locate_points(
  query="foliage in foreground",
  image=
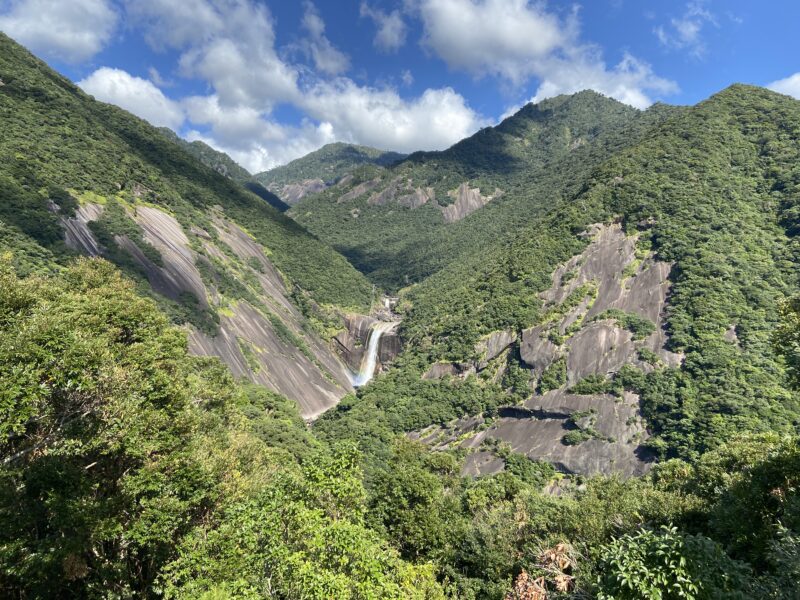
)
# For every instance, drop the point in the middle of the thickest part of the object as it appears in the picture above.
(130, 469)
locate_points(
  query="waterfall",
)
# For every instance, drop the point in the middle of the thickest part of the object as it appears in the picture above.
(370, 359)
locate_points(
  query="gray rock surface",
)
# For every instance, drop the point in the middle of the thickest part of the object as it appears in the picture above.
(359, 190)
(315, 377)
(466, 201)
(351, 344)
(283, 368)
(292, 193)
(492, 345)
(77, 234)
(608, 266)
(441, 369)
(537, 351)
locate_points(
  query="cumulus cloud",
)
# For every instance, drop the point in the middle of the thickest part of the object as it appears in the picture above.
(134, 94)
(630, 81)
(326, 58)
(392, 29)
(66, 30)
(380, 117)
(789, 86)
(250, 137)
(492, 37)
(685, 32)
(228, 43)
(516, 40)
(338, 111)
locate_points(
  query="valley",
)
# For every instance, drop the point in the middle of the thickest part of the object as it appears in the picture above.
(563, 346)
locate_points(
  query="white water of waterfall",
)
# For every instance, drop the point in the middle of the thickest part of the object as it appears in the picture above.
(370, 359)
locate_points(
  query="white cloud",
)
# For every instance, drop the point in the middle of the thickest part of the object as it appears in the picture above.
(406, 77)
(251, 138)
(66, 30)
(492, 37)
(236, 56)
(789, 86)
(517, 40)
(392, 30)
(228, 43)
(631, 81)
(157, 79)
(380, 117)
(134, 94)
(326, 58)
(685, 32)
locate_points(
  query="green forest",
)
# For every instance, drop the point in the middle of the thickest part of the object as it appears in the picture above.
(130, 468)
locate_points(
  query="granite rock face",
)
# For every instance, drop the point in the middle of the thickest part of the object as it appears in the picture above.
(584, 434)
(77, 234)
(351, 344)
(292, 193)
(466, 201)
(359, 190)
(266, 344)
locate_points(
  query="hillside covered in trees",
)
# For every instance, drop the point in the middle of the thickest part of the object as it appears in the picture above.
(631, 289)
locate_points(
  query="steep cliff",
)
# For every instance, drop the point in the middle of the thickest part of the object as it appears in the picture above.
(252, 286)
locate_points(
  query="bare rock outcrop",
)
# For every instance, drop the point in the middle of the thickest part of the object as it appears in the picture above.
(292, 193)
(594, 433)
(403, 193)
(359, 190)
(250, 341)
(537, 351)
(77, 234)
(466, 201)
(351, 343)
(492, 345)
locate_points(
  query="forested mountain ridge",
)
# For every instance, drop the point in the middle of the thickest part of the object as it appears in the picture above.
(226, 166)
(219, 161)
(403, 223)
(709, 195)
(130, 468)
(317, 170)
(118, 188)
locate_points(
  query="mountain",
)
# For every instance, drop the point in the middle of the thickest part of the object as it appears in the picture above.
(402, 223)
(226, 166)
(657, 284)
(214, 256)
(219, 161)
(319, 169)
(595, 395)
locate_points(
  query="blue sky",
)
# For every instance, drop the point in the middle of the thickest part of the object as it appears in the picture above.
(270, 80)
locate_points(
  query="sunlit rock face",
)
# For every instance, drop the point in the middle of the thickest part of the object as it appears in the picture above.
(585, 433)
(268, 344)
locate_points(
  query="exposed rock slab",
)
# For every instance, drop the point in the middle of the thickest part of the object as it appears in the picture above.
(618, 422)
(315, 381)
(402, 192)
(180, 273)
(466, 201)
(359, 190)
(351, 344)
(292, 193)
(77, 234)
(614, 277)
(598, 349)
(442, 369)
(537, 351)
(492, 345)
(284, 368)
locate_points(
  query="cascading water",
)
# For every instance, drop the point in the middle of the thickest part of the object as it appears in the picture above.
(370, 359)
